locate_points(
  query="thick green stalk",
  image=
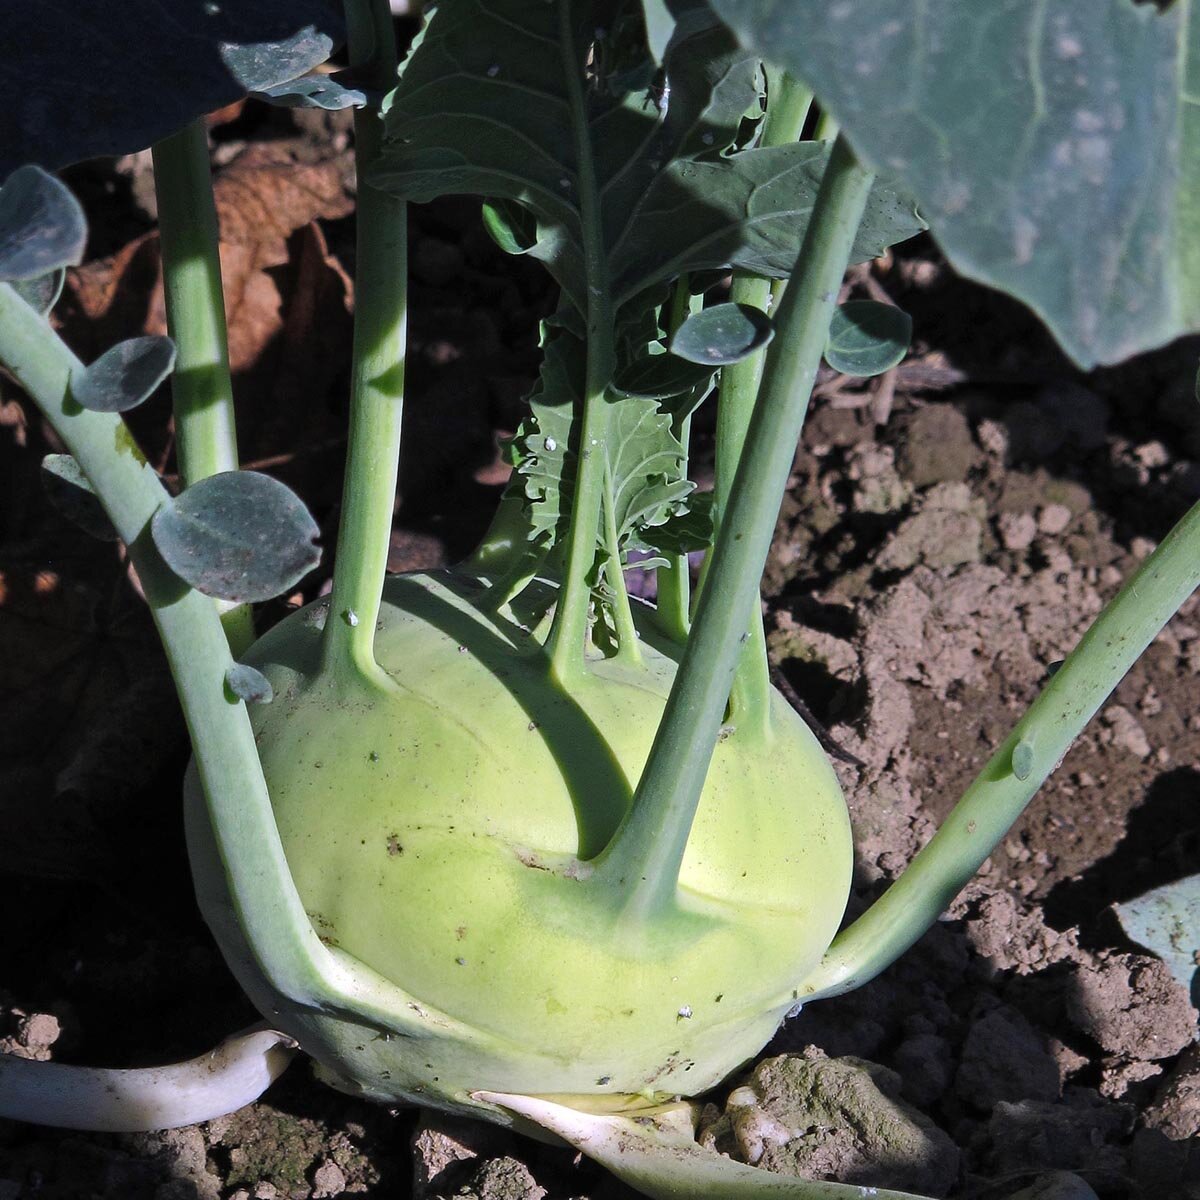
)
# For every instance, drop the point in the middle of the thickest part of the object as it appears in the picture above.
(201, 388)
(643, 858)
(568, 634)
(1036, 745)
(269, 910)
(377, 373)
(628, 648)
(788, 103)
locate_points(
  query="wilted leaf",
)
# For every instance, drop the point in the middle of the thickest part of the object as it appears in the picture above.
(41, 225)
(125, 376)
(238, 536)
(867, 337)
(1054, 148)
(722, 334)
(86, 78)
(68, 489)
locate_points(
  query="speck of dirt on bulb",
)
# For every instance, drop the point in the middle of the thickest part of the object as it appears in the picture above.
(374, 756)
(551, 444)
(685, 1013)
(351, 617)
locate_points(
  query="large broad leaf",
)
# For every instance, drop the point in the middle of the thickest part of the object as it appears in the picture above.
(1054, 147)
(83, 78)
(495, 101)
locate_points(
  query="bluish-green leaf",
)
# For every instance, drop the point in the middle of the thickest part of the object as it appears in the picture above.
(124, 376)
(42, 292)
(1167, 921)
(867, 337)
(722, 334)
(41, 225)
(248, 683)
(313, 90)
(83, 78)
(238, 536)
(69, 490)
(1054, 147)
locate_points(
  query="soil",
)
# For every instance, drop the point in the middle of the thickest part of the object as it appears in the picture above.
(949, 531)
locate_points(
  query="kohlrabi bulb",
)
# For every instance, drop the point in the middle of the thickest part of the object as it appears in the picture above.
(438, 826)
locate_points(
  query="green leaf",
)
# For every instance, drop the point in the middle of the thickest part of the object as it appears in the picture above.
(660, 24)
(722, 334)
(485, 106)
(867, 337)
(124, 376)
(70, 491)
(662, 376)
(1167, 921)
(248, 683)
(42, 292)
(512, 228)
(683, 532)
(41, 225)
(1053, 147)
(238, 536)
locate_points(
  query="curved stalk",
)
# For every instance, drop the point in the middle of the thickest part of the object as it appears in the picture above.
(627, 637)
(643, 859)
(377, 371)
(201, 388)
(998, 796)
(145, 1099)
(568, 634)
(269, 910)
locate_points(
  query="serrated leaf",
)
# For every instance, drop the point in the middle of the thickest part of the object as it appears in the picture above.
(1054, 148)
(248, 683)
(722, 334)
(95, 78)
(42, 292)
(41, 225)
(313, 90)
(125, 375)
(238, 536)
(69, 490)
(1167, 921)
(684, 532)
(867, 337)
(486, 106)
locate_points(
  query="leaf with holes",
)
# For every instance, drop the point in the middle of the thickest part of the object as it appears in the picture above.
(1054, 148)
(238, 536)
(722, 334)
(125, 375)
(867, 337)
(41, 226)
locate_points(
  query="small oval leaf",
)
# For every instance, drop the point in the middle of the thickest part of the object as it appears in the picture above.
(68, 489)
(722, 334)
(41, 225)
(1022, 759)
(867, 337)
(248, 683)
(122, 377)
(238, 536)
(657, 376)
(42, 292)
(313, 90)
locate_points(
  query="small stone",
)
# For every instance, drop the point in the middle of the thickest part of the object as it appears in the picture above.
(1152, 454)
(1122, 729)
(1142, 547)
(937, 447)
(1005, 1058)
(1054, 518)
(329, 1181)
(1017, 530)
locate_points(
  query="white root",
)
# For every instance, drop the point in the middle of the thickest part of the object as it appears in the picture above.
(238, 1071)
